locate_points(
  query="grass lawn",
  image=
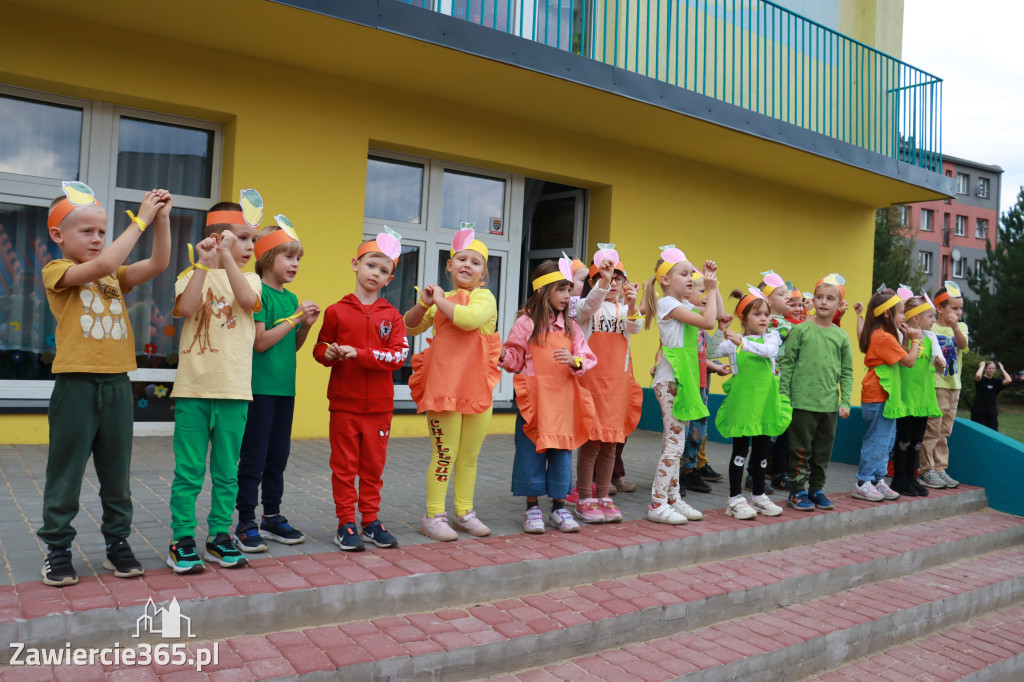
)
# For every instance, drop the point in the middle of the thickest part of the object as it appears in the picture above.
(1011, 419)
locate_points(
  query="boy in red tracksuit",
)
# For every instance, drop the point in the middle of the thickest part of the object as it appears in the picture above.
(363, 341)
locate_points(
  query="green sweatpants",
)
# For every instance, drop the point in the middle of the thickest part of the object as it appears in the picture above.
(811, 435)
(204, 425)
(88, 413)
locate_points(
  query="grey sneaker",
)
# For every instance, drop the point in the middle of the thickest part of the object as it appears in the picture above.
(948, 480)
(931, 479)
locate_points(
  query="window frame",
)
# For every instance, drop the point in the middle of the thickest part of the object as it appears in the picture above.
(927, 220)
(960, 226)
(959, 267)
(926, 261)
(963, 183)
(981, 232)
(984, 187)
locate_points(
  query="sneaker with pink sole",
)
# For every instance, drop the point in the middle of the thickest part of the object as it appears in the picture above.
(611, 512)
(589, 511)
(469, 523)
(436, 528)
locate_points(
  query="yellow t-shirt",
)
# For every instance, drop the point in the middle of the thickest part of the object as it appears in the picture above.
(481, 313)
(93, 331)
(215, 353)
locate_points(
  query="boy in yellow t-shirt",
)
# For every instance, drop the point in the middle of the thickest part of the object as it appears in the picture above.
(213, 386)
(90, 411)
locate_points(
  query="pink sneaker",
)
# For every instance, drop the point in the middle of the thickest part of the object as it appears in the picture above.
(436, 528)
(611, 512)
(573, 498)
(469, 523)
(589, 511)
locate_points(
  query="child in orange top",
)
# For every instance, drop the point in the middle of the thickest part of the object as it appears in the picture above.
(453, 382)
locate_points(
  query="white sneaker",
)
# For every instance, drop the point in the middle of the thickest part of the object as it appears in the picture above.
(740, 509)
(947, 479)
(931, 479)
(562, 520)
(533, 521)
(866, 491)
(887, 492)
(664, 513)
(764, 505)
(686, 510)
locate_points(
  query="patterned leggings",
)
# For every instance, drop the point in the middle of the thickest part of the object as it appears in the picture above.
(673, 443)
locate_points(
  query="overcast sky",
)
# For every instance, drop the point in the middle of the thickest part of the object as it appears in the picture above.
(975, 47)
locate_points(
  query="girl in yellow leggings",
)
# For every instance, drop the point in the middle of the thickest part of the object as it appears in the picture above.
(453, 381)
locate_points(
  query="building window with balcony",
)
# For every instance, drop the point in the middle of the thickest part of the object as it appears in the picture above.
(926, 262)
(983, 187)
(927, 220)
(959, 266)
(981, 228)
(963, 181)
(961, 225)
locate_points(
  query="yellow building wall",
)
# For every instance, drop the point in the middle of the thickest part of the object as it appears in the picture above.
(302, 138)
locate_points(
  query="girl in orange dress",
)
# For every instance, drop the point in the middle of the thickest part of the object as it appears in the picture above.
(453, 381)
(549, 353)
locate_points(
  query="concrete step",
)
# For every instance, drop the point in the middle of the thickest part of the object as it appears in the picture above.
(987, 648)
(305, 591)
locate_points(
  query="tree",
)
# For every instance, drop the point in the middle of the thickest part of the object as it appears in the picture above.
(895, 263)
(996, 319)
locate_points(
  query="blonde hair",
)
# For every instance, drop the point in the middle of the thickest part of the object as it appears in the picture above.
(265, 261)
(649, 304)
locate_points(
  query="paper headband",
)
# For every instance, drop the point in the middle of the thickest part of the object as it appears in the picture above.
(465, 239)
(577, 264)
(754, 294)
(618, 266)
(75, 194)
(771, 282)
(387, 242)
(697, 274)
(564, 272)
(277, 237)
(917, 310)
(902, 293)
(833, 279)
(951, 290)
(251, 214)
(671, 257)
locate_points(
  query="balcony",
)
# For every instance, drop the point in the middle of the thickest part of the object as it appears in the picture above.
(749, 53)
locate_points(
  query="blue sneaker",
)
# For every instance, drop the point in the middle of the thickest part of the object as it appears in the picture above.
(348, 539)
(376, 533)
(799, 501)
(247, 537)
(277, 528)
(820, 501)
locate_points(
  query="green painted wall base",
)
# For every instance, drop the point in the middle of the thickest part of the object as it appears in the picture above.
(980, 456)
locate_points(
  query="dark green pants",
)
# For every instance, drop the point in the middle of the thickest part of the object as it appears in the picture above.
(811, 435)
(89, 414)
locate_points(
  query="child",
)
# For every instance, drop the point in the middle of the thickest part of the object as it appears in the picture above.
(753, 408)
(281, 328)
(917, 384)
(796, 313)
(881, 396)
(618, 399)
(363, 341)
(91, 407)
(777, 292)
(817, 377)
(213, 387)
(952, 337)
(676, 376)
(453, 382)
(555, 416)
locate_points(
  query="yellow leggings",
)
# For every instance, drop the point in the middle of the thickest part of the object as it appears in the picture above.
(456, 440)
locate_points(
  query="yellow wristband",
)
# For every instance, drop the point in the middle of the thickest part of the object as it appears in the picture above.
(138, 221)
(420, 301)
(635, 317)
(579, 361)
(200, 266)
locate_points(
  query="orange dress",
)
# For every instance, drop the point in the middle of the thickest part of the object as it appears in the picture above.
(459, 368)
(618, 398)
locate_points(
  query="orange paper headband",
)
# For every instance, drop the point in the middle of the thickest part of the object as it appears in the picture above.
(271, 241)
(226, 218)
(618, 266)
(61, 211)
(372, 247)
(746, 301)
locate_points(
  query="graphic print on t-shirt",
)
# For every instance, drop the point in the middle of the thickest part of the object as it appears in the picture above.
(102, 310)
(215, 308)
(948, 346)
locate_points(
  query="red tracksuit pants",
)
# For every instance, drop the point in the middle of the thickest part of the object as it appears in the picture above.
(359, 444)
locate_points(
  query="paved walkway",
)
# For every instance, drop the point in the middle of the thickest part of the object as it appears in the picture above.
(308, 503)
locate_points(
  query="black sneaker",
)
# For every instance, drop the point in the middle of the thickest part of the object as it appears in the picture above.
(58, 569)
(182, 556)
(781, 482)
(220, 550)
(708, 474)
(692, 481)
(348, 539)
(278, 529)
(248, 537)
(376, 533)
(121, 560)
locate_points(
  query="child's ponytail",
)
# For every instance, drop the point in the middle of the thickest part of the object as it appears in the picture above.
(885, 321)
(650, 300)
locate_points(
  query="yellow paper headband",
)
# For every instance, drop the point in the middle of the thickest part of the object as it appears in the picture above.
(917, 310)
(671, 257)
(465, 239)
(902, 294)
(544, 280)
(771, 282)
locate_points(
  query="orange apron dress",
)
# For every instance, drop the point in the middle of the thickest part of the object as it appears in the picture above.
(559, 413)
(618, 398)
(458, 370)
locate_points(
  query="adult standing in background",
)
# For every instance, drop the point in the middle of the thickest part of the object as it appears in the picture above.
(985, 410)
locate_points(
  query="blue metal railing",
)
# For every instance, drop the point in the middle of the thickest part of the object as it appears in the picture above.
(751, 53)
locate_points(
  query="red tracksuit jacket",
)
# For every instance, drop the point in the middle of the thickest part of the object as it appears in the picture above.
(377, 332)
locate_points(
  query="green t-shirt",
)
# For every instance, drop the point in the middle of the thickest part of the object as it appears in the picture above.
(273, 370)
(817, 369)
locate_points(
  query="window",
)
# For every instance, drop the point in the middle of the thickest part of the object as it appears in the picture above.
(959, 265)
(961, 225)
(120, 153)
(983, 188)
(963, 182)
(927, 220)
(981, 228)
(926, 262)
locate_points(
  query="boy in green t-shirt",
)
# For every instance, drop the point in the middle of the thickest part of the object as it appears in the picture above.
(281, 328)
(817, 376)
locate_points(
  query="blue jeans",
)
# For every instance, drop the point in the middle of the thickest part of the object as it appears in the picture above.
(878, 442)
(696, 434)
(539, 473)
(264, 455)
